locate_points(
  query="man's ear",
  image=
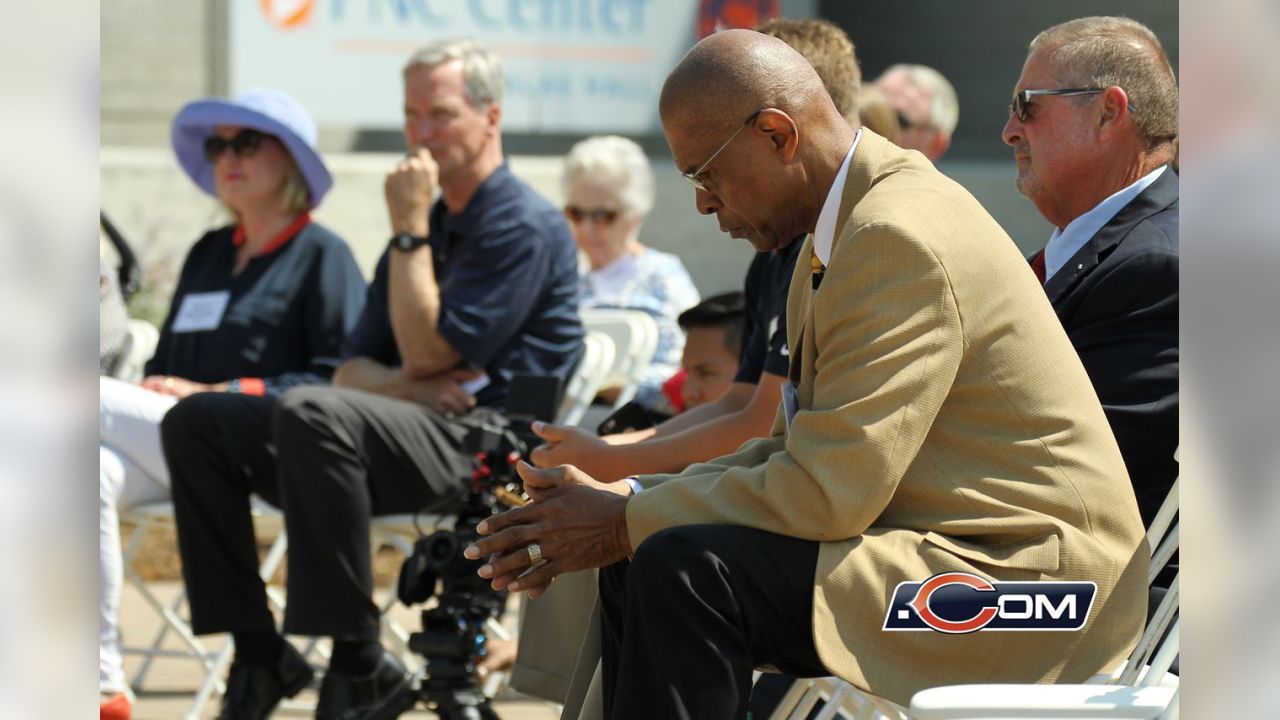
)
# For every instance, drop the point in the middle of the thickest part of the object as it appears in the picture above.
(781, 131)
(1113, 112)
(493, 115)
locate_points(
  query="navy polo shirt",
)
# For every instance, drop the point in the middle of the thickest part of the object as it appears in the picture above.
(285, 318)
(764, 345)
(507, 270)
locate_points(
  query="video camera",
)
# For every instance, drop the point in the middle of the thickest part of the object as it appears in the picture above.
(452, 638)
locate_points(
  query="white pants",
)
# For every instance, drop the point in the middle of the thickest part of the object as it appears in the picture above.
(131, 471)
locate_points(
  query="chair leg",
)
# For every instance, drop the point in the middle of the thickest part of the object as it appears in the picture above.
(130, 550)
(154, 648)
(833, 703)
(212, 684)
(171, 618)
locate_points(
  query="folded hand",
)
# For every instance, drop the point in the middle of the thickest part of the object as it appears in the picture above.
(576, 522)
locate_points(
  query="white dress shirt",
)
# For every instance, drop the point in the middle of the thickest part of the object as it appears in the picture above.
(824, 233)
(1066, 242)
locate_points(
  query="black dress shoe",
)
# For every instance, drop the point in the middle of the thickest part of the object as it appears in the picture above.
(351, 698)
(253, 691)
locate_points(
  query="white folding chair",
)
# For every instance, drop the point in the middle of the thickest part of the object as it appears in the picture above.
(1142, 688)
(597, 362)
(141, 345)
(214, 664)
(635, 339)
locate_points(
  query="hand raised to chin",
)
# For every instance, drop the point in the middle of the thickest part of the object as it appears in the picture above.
(409, 190)
(575, 522)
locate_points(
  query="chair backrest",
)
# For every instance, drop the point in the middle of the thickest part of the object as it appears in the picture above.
(1156, 651)
(143, 337)
(597, 362)
(1162, 536)
(635, 339)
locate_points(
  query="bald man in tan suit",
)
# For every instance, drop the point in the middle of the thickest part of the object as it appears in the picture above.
(941, 422)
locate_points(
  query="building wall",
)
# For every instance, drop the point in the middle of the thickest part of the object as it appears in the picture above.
(159, 54)
(156, 55)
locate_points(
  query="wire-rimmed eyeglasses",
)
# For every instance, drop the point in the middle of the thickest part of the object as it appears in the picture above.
(693, 177)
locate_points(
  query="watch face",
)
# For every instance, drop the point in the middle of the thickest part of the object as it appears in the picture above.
(405, 241)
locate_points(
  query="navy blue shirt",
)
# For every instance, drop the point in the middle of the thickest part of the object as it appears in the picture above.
(764, 344)
(507, 268)
(284, 322)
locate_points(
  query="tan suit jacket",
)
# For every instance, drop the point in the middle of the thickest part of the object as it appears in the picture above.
(945, 423)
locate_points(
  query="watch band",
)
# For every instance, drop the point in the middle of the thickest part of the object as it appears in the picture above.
(405, 241)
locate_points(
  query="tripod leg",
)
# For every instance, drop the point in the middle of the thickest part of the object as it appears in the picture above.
(396, 705)
(464, 705)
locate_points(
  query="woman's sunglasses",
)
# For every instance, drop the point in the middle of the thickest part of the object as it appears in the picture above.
(578, 215)
(244, 144)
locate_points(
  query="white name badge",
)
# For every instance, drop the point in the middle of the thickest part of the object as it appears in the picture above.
(790, 404)
(201, 311)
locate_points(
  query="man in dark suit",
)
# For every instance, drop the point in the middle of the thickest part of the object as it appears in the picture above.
(1093, 126)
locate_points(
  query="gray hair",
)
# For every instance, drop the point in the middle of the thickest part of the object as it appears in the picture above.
(617, 161)
(481, 69)
(1104, 51)
(944, 105)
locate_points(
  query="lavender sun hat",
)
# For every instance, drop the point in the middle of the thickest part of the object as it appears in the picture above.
(268, 111)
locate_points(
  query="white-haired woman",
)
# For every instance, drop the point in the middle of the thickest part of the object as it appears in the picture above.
(261, 305)
(608, 186)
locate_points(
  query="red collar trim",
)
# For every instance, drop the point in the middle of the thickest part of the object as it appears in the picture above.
(238, 238)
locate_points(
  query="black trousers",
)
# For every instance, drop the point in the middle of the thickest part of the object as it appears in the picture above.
(331, 459)
(695, 611)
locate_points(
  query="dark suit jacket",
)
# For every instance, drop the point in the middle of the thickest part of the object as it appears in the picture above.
(1118, 300)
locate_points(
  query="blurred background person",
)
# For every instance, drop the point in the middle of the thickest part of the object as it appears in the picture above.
(261, 305)
(1092, 127)
(608, 187)
(877, 115)
(713, 337)
(830, 51)
(927, 106)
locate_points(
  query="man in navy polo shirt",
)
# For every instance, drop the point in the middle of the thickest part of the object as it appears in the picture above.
(475, 288)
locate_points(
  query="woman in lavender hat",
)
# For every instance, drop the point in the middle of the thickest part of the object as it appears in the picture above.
(261, 305)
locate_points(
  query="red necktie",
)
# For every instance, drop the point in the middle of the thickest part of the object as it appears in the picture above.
(1037, 265)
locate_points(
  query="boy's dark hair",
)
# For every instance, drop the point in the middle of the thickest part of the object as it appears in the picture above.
(726, 311)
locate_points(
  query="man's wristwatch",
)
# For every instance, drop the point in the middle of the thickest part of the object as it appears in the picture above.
(405, 241)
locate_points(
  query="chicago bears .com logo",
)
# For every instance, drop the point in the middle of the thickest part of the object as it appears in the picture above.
(958, 602)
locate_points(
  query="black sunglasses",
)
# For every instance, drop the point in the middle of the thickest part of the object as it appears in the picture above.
(244, 144)
(1022, 100)
(578, 215)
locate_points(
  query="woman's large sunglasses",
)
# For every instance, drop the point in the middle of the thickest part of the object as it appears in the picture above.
(244, 144)
(578, 215)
